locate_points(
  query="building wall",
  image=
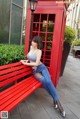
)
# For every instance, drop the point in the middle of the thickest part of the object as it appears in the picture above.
(73, 15)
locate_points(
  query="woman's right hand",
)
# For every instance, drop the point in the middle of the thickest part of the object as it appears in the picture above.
(24, 61)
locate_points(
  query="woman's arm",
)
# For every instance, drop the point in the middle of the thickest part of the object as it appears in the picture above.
(26, 61)
(39, 53)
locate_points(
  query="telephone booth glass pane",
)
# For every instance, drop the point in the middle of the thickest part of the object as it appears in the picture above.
(36, 18)
(43, 25)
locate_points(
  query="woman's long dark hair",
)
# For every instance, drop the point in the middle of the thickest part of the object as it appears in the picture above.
(38, 40)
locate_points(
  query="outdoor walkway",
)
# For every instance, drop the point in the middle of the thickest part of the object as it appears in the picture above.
(39, 105)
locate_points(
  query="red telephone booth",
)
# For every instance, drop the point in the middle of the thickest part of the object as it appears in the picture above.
(49, 23)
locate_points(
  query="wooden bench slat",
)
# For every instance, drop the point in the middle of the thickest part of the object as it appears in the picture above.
(12, 69)
(15, 73)
(17, 89)
(10, 65)
(18, 96)
(14, 88)
(14, 94)
(17, 101)
(9, 90)
(14, 78)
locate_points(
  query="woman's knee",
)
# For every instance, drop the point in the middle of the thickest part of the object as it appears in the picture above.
(39, 77)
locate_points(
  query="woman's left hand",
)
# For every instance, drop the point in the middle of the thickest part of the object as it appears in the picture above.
(24, 61)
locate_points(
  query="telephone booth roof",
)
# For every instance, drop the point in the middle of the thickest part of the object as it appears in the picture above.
(64, 1)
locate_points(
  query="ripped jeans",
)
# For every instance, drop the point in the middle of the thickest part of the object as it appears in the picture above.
(46, 80)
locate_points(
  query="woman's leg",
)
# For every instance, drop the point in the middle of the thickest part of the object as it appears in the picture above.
(44, 76)
(42, 79)
(53, 91)
(49, 84)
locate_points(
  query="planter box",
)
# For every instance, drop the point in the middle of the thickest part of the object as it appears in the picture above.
(66, 50)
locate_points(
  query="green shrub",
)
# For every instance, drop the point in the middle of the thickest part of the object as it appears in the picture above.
(11, 53)
(69, 34)
(76, 43)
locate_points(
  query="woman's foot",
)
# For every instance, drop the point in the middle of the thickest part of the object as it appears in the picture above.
(57, 105)
(63, 114)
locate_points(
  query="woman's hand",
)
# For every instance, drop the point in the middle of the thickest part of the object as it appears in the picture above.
(24, 61)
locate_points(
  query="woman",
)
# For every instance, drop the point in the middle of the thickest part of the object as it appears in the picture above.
(41, 72)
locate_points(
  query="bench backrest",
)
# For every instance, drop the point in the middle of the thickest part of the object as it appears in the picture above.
(13, 73)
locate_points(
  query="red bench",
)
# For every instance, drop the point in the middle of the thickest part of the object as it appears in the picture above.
(16, 83)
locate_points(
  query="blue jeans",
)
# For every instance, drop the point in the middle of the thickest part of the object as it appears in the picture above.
(46, 80)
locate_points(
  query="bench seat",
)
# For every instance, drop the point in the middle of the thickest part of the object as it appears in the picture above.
(13, 95)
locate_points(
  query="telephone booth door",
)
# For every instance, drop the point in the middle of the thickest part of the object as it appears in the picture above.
(48, 23)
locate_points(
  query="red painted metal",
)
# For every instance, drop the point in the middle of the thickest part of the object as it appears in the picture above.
(13, 72)
(66, 3)
(13, 95)
(17, 96)
(48, 15)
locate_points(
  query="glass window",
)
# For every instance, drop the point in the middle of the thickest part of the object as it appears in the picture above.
(36, 18)
(19, 2)
(4, 20)
(16, 24)
(44, 17)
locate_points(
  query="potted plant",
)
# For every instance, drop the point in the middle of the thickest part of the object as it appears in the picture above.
(69, 36)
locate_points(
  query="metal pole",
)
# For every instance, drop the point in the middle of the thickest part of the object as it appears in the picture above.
(31, 27)
(22, 23)
(10, 22)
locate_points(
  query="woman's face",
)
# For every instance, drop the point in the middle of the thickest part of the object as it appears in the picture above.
(34, 44)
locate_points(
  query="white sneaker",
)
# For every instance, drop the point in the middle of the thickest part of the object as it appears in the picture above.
(55, 105)
(63, 114)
